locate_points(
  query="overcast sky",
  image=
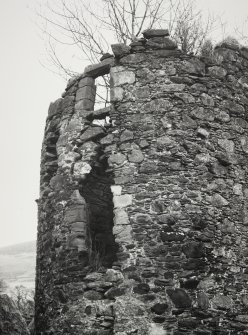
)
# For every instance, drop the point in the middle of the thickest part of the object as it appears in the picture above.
(26, 91)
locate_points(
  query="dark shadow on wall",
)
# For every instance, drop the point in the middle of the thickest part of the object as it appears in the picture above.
(97, 193)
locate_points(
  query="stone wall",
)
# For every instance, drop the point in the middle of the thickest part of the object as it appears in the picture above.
(143, 220)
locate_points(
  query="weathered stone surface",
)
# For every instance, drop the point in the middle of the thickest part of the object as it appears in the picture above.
(173, 87)
(116, 94)
(81, 169)
(123, 234)
(117, 159)
(126, 135)
(179, 298)
(185, 97)
(159, 308)
(105, 56)
(222, 302)
(93, 295)
(84, 105)
(121, 217)
(86, 92)
(99, 69)
(194, 249)
(244, 52)
(217, 71)
(193, 66)
(141, 288)
(244, 143)
(122, 200)
(122, 77)
(202, 132)
(120, 49)
(202, 300)
(161, 43)
(202, 114)
(218, 201)
(227, 145)
(92, 133)
(136, 156)
(149, 33)
(207, 100)
(55, 107)
(76, 214)
(86, 81)
(168, 53)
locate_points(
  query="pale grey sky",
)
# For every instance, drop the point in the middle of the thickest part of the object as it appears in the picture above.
(26, 91)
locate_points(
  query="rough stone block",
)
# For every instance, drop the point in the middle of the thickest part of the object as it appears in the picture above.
(113, 276)
(217, 72)
(93, 295)
(244, 52)
(86, 92)
(79, 227)
(58, 182)
(185, 97)
(76, 214)
(156, 329)
(244, 143)
(116, 189)
(66, 159)
(92, 133)
(117, 159)
(179, 298)
(173, 87)
(203, 132)
(227, 145)
(193, 66)
(121, 78)
(55, 108)
(84, 105)
(159, 308)
(161, 43)
(149, 33)
(222, 301)
(163, 53)
(133, 59)
(107, 139)
(120, 49)
(136, 156)
(77, 199)
(86, 81)
(100, 69)
(218, 201)
(116, 94)
(81, 169)
(101, 113)
(121, 217)
(122, 233)
(121, 201)
(194, 249)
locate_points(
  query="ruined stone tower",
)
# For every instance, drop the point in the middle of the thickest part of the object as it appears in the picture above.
(143, 222)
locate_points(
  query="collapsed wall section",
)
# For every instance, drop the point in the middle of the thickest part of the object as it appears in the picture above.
(143, 219)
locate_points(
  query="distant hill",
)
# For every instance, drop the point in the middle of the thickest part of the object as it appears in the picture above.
(17, 264)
